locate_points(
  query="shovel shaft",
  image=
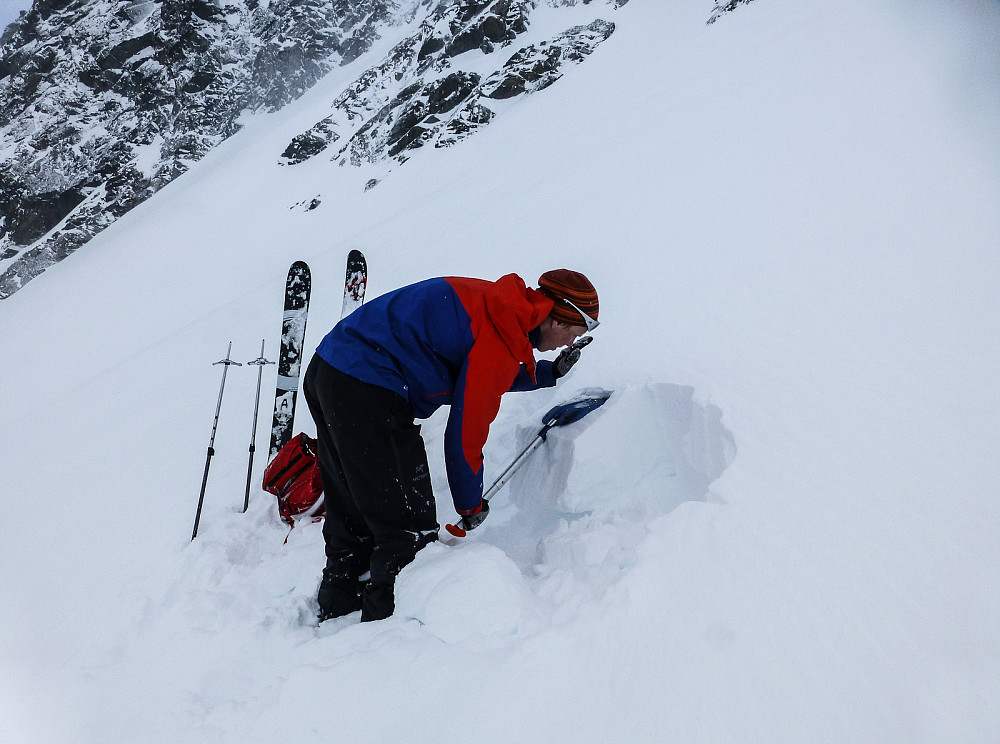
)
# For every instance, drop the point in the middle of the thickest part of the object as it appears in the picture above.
(507, 474)
(561, 415)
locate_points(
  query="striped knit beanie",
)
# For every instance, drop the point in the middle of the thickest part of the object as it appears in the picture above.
(563, 284)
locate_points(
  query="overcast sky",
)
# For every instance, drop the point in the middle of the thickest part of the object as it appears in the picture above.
(9, 10)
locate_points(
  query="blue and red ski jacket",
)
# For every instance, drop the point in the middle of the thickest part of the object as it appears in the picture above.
(448, 341)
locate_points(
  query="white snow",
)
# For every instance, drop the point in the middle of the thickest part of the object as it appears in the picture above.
(793, 220)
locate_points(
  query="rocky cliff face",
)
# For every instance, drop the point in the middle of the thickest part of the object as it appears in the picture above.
(431, 89)
(103, 102)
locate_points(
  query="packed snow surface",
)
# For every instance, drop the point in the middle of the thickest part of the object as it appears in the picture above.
(783, 525)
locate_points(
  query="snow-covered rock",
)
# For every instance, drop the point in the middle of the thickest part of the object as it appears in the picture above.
(104, 102)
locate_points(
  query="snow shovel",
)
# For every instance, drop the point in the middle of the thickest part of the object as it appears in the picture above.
(564, 413)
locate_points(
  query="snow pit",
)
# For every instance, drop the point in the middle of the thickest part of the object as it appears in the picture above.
(650, 448)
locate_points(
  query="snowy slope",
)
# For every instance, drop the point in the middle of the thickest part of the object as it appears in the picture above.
(783, 526)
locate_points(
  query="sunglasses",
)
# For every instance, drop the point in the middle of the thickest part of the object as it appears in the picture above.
(591, 323)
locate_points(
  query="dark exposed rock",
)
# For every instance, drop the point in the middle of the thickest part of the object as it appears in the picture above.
(309, 143)
(308, 205)
(429, 47)
(538, 66)
(468, 120)
(467, 41)
(420, 106)
(117, 56)
(446, 94)
(724, 6)
(36, 215)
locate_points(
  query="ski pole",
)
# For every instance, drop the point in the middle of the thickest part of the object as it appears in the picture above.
(259, 362)
(564, 413)
(211, 442)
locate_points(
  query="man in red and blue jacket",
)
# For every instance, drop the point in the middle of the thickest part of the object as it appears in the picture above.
(446, 341)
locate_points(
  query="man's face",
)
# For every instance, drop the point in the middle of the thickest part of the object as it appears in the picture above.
(555, 334)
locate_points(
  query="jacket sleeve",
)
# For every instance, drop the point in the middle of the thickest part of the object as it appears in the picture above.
(487, 374)
(544, 377)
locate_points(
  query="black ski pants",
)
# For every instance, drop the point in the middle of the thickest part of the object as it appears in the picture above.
(379, 502)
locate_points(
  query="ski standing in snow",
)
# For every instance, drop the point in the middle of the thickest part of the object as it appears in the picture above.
(293, 333)
(446, 341)
(354, 283)
(292, 474)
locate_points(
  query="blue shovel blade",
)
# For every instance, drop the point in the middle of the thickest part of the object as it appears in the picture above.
(576, 409)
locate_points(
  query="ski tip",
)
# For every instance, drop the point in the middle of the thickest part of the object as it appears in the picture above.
(356, 261)
(455, 530)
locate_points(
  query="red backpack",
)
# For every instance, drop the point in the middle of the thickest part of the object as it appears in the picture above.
(293, 477)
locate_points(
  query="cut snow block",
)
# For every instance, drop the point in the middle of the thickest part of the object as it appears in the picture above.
(651, 447)
(466, 593)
